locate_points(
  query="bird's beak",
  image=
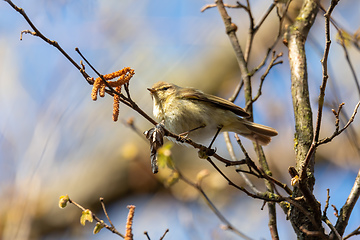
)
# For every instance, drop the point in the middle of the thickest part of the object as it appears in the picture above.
(152, 90)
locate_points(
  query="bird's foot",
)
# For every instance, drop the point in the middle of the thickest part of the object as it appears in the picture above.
(205, 152)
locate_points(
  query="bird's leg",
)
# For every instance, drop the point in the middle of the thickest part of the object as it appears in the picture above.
(216, 134)
(207, 151)
(185, 134)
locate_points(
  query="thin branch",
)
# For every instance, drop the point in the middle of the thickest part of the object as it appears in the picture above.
(269, 188)
(324, 62)
(254, 28)
(342, 43)
(281, 20)
(346, 210)
(336, 211)
(319, 234)
(230, 29)
(123, 99)
(261, 173)
(130, 123)
(106, 214)
(337, 131)
(326, 202)
(163, 236)
(352, 69)
(112, 229)
(331, 226)
(37, 33)
(147, 235)
(325, 218)
(263, 196)
(212, 206)
(251, 35)
(236, 91)
(238, 5)
(353, 233)
(242, 61)
(262, 20)
(262, 79)
(233, 158)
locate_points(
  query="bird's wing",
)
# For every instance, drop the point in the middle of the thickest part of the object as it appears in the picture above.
(220, 102)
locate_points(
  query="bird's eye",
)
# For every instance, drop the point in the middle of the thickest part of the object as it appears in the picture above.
(164, 88)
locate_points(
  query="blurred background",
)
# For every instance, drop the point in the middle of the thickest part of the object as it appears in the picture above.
(54, 140)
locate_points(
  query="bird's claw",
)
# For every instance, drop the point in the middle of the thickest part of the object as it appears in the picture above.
(182, 138)
(205, 152)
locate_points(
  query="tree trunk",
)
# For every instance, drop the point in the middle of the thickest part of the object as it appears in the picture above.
(303, 120)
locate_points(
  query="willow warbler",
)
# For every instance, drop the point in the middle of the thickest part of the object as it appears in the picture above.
(200, 116)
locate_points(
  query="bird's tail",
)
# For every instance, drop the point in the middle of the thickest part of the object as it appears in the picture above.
(257, 132)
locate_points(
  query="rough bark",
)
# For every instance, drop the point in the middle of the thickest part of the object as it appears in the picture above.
(297, 34)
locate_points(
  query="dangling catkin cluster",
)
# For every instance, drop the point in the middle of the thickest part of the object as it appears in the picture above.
(116, 104)
(124, 75)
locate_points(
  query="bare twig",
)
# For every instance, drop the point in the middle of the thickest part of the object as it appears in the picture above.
(112, 229)
(270, 189)
(242, 61)
(212, 206)
(346, 210)
(106, 214)
(238, 5)
(237, 91)
(281, 20)
(327, 202)
(352, 69)
(337, 131)
(264, 196)
(261, 173)
(324, 61)
(343, 45)
(336, 212)
(130, 123)
(353, 233)
(331, 226)
(326, 219)
(254, 28)
(251, 34)
(147, 235)
(319, 234)
(233, 157)
(37, 33)
(230, 29)
(271, 64)
(163, 236)
(263, 18)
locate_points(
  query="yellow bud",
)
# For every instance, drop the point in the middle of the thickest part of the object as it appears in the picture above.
(63, 201)
(86, 216)
(98, 227)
